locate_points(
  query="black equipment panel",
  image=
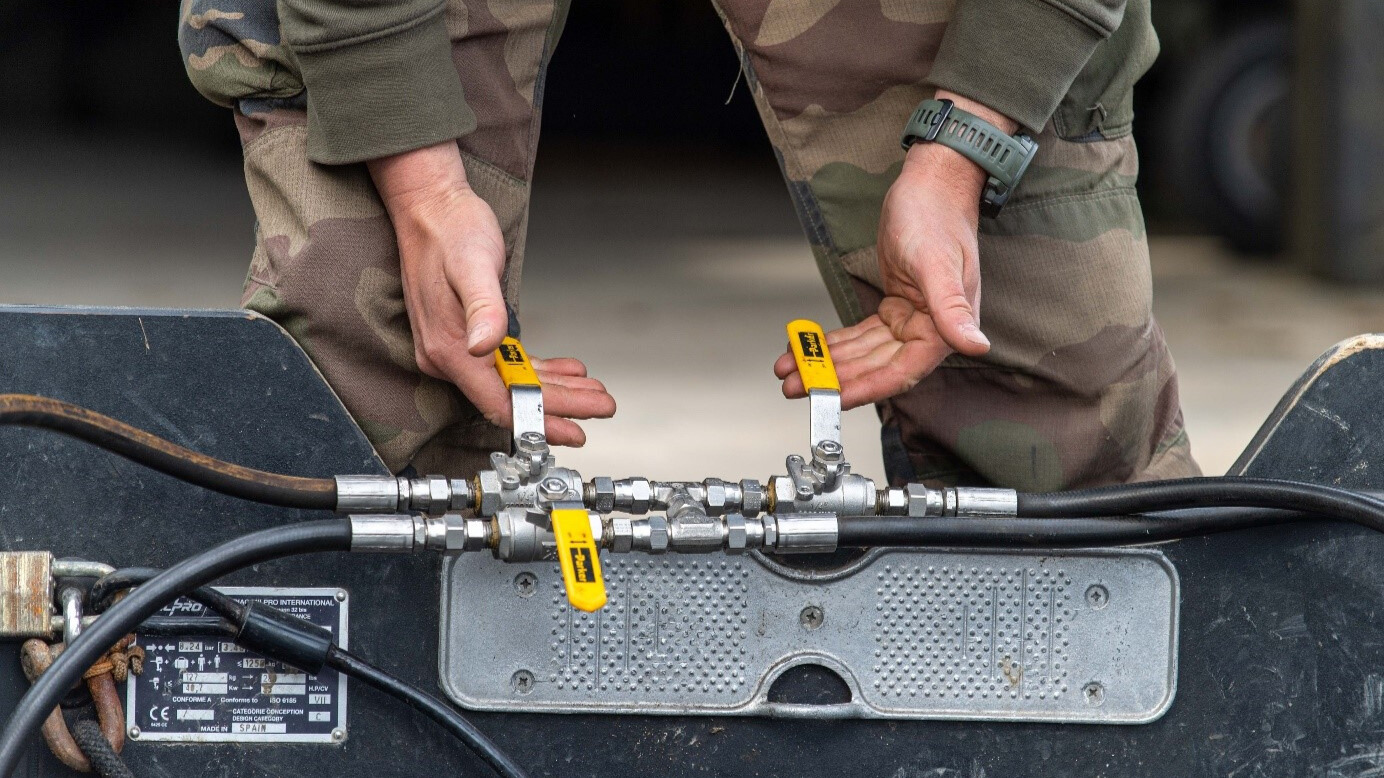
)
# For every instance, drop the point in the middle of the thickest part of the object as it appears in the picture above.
(1281, 668)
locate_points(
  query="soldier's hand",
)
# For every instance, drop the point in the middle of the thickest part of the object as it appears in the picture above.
(451, 257)
(884, 355)
(928, 251)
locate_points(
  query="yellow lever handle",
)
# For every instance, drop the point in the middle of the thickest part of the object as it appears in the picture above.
(513, 364)
(577, 556)
(809, 345)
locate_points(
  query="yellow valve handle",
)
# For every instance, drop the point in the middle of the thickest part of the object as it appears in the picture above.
(809, 345)
(576, 554)
(513, 365)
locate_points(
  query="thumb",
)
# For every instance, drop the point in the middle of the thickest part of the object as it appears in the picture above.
(951, 308)
(477, 286)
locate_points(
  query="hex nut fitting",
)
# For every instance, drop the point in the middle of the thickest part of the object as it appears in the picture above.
(491, 499)
(923, 501)
(432, 495)
(604, 494)
(531, 443)
(752, 500)
(460, 534)
(893, 502)
(636, 495)
(621, 534)
(785, 493)
(736, 537)
(463, 496)
(716, 496)
(658, 535)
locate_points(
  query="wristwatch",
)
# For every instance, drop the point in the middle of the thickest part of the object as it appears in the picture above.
(1004, 157)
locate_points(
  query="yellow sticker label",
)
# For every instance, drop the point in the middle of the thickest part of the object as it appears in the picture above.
(513, 364)
(809, 345)
(578, 558)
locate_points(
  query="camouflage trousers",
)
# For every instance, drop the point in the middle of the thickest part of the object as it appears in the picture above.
(1079, 388)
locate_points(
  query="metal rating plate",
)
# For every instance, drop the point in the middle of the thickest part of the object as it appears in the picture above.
(1075, 636)
(205, 690)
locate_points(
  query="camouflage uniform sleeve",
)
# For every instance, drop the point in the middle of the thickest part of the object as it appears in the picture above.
(1020, 57)
(379, 76)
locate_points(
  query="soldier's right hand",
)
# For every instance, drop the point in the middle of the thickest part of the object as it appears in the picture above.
(886, 354)
(451, 257)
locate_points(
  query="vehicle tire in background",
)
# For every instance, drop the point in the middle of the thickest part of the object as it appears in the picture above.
(1228, 145)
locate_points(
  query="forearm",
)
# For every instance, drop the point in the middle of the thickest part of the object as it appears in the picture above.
(414, 183)
(379, 76)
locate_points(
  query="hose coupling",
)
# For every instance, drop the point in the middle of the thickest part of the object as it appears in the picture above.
(966, 502)
(394, 533)
(433, 495)
(806, 533)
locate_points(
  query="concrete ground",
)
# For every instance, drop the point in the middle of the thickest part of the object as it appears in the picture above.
(672, 279)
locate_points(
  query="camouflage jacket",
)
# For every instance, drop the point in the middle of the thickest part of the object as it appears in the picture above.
(380, 80)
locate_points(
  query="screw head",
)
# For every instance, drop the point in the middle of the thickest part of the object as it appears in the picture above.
(530, 441)
(526, 584)
(812, 617)
(341, 595)
(134, 733)
(522, 682)
(1097, 596)
(338, 735)
(1093, 693)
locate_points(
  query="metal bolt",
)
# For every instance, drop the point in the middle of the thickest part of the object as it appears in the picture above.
(553, 488)
(338, 735)
(812, 617)
(134, 733)
(341, 595)
(1094, 694)
(1097, 596)
(526, 584)
(530, 442)
(522, 682)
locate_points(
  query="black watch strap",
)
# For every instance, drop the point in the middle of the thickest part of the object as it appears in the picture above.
(1003, 157)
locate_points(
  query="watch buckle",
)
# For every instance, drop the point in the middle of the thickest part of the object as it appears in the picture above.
(939, 120)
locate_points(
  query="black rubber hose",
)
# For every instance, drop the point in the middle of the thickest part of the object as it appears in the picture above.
(103, 592)
(104, 761)
(348, 664)
(126, 615)
(1227, 491)
(189, 626)
(907, 531)
(166, 457)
